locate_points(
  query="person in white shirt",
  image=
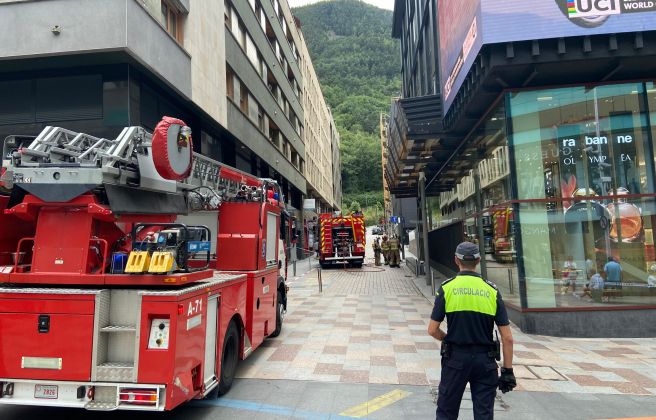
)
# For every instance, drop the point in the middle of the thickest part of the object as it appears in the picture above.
(651, 279)
(569, 274)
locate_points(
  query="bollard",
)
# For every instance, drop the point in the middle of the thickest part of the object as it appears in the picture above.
(320, 280)
(309, 261)
(294, 264)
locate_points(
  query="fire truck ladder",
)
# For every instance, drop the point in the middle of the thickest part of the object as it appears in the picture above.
(60, 156)
(326, 236)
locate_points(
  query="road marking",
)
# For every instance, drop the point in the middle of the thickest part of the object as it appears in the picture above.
(290, 412)
(636, 418)
(376, 404)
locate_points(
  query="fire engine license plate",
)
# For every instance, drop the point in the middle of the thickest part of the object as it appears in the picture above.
(48, 392)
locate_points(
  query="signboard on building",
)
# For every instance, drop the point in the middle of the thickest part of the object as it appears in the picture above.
(466, 25)
(460, 42)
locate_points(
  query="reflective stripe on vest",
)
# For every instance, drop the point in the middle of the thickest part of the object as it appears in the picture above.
(470, 293)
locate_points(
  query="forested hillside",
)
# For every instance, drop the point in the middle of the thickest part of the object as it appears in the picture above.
(358, 65)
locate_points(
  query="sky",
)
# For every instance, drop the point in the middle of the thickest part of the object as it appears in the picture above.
(383, 4)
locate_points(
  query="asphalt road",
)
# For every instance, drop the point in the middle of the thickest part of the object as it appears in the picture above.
(252, 399)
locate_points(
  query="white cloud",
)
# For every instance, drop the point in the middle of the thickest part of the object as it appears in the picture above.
(383, 4)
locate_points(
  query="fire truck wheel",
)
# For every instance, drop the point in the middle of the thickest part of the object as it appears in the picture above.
(280, 315)
(229, 358)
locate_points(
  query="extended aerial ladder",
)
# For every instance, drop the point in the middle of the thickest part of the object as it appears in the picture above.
(136, 178)
(160, 264)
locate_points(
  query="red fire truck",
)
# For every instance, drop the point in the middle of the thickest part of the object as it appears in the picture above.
(134, 273)
(503, 242)
(342, 240)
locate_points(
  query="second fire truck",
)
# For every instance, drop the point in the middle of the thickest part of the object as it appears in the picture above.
(342, 240)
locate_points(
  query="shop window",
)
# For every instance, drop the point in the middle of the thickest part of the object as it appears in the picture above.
(584, 152)
(172, 20)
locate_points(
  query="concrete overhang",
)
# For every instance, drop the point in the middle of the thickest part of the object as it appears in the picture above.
(39, 29)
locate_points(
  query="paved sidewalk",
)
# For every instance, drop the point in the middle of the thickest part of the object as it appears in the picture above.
(586, 365)
(369, 326)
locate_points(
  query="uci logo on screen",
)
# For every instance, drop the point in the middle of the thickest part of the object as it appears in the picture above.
(587, 8)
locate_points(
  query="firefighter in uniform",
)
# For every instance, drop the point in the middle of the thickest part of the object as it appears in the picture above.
(385, 248)
(394, 252)
(377, 251)
(472, 305)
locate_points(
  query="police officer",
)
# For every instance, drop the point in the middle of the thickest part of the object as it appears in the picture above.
(472, 305)
(384, 246)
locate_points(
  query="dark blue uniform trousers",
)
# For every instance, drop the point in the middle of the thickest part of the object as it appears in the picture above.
(477, 368)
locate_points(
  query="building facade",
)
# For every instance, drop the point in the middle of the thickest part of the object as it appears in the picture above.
(548, 163)
(324, 164)
(115, 63)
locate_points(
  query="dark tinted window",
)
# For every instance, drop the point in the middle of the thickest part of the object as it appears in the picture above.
(16, 102)
(69, 98)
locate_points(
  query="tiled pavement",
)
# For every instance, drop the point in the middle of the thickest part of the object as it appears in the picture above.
(369, 326)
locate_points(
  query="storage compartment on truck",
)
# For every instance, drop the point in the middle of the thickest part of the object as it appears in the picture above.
(51, 336)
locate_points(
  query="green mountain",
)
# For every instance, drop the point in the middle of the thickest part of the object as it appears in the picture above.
(359, 67)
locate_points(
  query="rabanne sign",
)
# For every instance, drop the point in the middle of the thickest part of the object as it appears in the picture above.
(465, 26)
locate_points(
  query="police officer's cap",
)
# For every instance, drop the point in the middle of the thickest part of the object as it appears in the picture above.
(468, 251)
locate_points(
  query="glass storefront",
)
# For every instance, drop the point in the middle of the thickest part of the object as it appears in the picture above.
(583, 202)
(483, 202)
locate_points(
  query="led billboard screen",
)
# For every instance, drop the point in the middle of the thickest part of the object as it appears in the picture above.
(466, 25)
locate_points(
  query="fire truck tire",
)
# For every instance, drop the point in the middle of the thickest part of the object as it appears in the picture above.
(280, 315)
(229, 358)
(357, 264)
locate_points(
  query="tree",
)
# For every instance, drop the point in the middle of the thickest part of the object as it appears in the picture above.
(361, 167)
(359, 66)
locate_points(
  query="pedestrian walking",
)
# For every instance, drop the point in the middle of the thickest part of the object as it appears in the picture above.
(384, 246)
(394, 252)
(471, 305)
(377, 252)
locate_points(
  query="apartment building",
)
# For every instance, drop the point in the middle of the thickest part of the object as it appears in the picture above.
(99, 65)
(321, 139)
